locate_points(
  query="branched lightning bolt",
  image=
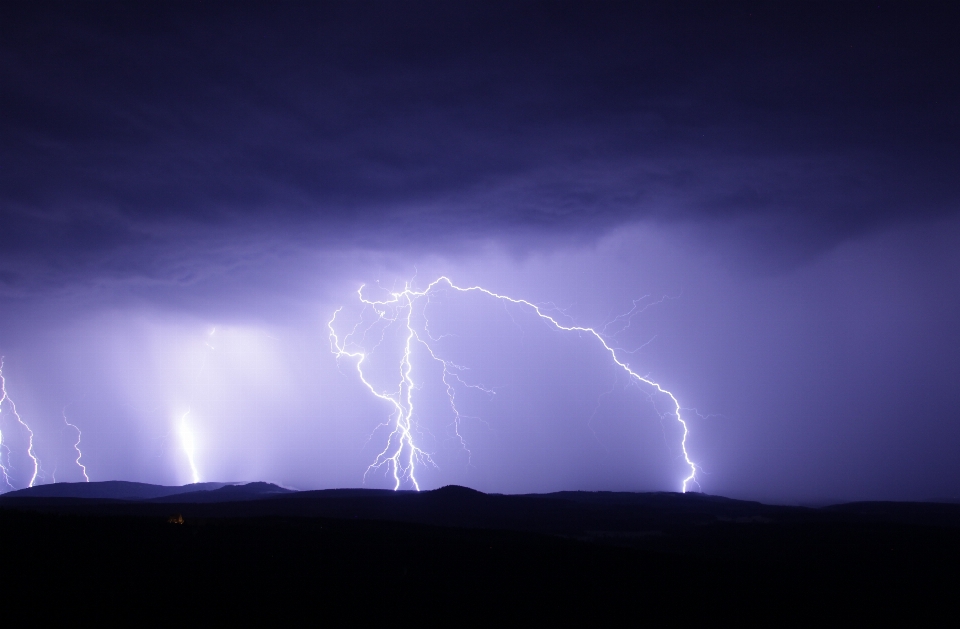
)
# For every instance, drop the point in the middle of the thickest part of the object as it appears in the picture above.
(13, 407)
(76, 446)
(401, 453)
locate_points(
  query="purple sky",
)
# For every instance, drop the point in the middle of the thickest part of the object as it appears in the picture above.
(188, 192)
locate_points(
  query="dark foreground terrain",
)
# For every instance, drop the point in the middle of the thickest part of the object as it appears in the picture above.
(257, 554)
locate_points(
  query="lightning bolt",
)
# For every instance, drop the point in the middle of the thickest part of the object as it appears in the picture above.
(184, 431)
(76, 446)
(189, 446)
(13, 408)
(401, 454)
(400, 440)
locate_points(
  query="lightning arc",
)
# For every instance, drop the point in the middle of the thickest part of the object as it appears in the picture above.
(76, 446)
(401, 454)
(13, 408)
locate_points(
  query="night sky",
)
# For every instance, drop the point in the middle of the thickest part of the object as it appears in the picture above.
(189, 191)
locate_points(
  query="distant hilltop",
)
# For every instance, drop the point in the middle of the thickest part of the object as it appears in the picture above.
(139, 492)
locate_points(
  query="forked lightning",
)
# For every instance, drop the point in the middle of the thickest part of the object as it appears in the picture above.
(4, 468)
(401, 454)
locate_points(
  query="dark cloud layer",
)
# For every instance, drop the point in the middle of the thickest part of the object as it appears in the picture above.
(131, 128)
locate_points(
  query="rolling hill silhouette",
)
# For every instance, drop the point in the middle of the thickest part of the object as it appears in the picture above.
(572, 556)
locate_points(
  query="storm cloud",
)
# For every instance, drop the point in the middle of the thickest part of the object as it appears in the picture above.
(417, 125)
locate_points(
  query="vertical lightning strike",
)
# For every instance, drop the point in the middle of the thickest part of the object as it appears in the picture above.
(184, 431)
(189, 446)
(399, 307)
(401, 454)
(76, 446)
(3, 468)
(13, 407)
